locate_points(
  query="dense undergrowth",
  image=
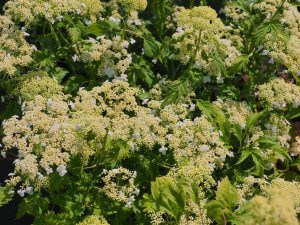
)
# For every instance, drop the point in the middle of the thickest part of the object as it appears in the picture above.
(151, 112)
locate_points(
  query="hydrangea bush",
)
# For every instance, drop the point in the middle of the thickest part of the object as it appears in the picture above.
(151, 112)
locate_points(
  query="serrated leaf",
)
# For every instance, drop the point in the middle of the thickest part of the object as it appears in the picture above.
(227, 194)
(215, 210)
(5, 196)
(74, 34)
(245, 154)
(59, 73)
(151, 47)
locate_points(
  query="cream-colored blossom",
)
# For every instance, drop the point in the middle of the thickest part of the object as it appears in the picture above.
(200, 32)
(278, 94)
(110, 55)
(119, 185)
(93, 220)
(29, 85)
(15, 52)
(28, 11)
(138, 5)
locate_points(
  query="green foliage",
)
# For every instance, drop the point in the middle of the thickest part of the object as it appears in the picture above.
(223, 207)
(170, 64)
(170, 196)
(5, 196)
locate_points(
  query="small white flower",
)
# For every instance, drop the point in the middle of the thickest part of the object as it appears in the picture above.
(171, 56)
(109, 71)
(131, 198)
(49, 170)
(212, 166)
(29, 190)
(265, 52)
(132, 41)
(274, 129)
(220, 133)
(104, 171)
(206, 79)
(49, 103)
(220, 80)
(59, 18)
(230, 154)
(137, 22)
(145, 101)
(3, 154)
(61, 169)
(34, 48)
(54, 128)
(134, 174)
(136, 191)
(78, 11)
(75, 58)
(192, 107)
(128, 204)
(271, 165)
(114, 20)
(125, 44)
(2, 99)
(163, 150)
(115, 171)
(129, 58)
(19, 100)
(271, 61)
(20, 154)
(153, 136)
(136, 135)
(204, 148)
(268, 126)
(72, 105)
(123, 77)
(283, 104)
(100, 37)
(11, 174)
(21, 192)
(260, 47)
(23, 29)
(78, 126)
(296, 104)
(87, 22)
(276, 105)
(179, 30)
(154, 61)
(52, 21)
(40, 176)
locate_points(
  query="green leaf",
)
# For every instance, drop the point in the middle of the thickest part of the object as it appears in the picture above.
(74, 34)
(215, 210)
(5, 196)
(101, 28)
(252, 119)
(167, 195)
(227, 194)
(239, 64)
(176, 90)
(244, 156)
(59, 73)
(213, 112)
(151, 47)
